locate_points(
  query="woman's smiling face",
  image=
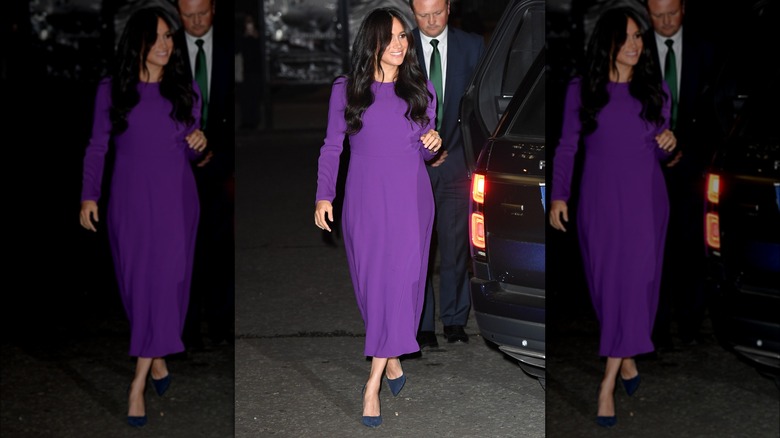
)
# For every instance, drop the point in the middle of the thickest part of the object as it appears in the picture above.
(160, 53)
(396, 50)
(629, 53)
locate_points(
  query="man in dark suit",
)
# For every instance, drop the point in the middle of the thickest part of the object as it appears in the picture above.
(434, 41)
(687, 65)
(213, 282)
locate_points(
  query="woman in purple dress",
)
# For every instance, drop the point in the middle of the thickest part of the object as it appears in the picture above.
(149, 110)
(388, 111)
(619, 108)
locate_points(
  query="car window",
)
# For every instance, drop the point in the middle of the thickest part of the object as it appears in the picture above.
(761, 114)
(529, 119)
(514, 47)
(512, 58)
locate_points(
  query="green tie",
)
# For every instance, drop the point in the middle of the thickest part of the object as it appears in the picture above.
(436, 78)
(670, 74)
(202, 76)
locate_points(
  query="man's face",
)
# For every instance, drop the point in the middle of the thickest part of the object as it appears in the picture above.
(196, 16)
(667, 16)
(431, 16)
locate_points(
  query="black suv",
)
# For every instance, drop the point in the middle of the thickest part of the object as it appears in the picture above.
(742, 206)
(503, 126)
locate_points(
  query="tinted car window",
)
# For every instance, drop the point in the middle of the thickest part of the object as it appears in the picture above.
(755, 143)
(526, 44)
(514, 56)
(529, 120)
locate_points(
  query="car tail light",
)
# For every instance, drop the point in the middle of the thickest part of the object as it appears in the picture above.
(478, 189)
(713, 188)
(478, 230)
(712, 225)
(477, 216)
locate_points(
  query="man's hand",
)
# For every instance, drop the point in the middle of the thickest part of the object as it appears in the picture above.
(205, 159)
(440, 158)
(675, 160)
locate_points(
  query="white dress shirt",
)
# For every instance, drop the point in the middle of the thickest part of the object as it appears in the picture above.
(428, 51)
(192, 49)
(663, 49)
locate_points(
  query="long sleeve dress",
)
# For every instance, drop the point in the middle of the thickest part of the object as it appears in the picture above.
(152, 214)
(622, 214)
(387, 214)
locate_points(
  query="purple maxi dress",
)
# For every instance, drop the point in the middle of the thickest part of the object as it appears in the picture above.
(622, 214)
(152, 214)
(387, 214)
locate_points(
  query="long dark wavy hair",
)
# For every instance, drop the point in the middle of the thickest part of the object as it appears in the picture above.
(370, 43)
(603, 47)
(137, 39)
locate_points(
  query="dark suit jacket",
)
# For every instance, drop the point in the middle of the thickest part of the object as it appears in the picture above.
(219, 131)
(695, 111)
(463, 53)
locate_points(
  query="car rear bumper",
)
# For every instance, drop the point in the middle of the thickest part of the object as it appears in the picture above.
(746, 320)
(512, 318)
(755, 340)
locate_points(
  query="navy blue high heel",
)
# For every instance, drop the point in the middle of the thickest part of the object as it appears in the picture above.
(372, 421)
(160, 386)
(396, 385)
(369, 421)
(606, 421)
(631, 384)
(135, 421)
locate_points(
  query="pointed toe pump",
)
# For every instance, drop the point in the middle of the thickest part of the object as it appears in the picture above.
(631, 384)
(161, 385)
(396, 385)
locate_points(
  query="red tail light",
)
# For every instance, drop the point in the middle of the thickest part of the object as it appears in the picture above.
(478, 230)
(712, 225)
(478, 189)
(713, 188)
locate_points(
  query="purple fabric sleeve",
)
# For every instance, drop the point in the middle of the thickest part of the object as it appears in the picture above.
(328, 165)
(94, 157)
(563, 163)
(196, 106)
(431, 112)
(666, 112)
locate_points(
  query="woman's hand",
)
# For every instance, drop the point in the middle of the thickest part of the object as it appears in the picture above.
(197, 140)
(666, 140)
(431, 140)
(89, 210)
(559, 209)
(322, 211)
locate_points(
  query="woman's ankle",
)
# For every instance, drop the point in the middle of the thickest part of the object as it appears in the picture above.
(394, 369)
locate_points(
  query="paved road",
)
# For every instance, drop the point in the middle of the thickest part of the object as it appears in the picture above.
(299, 350)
